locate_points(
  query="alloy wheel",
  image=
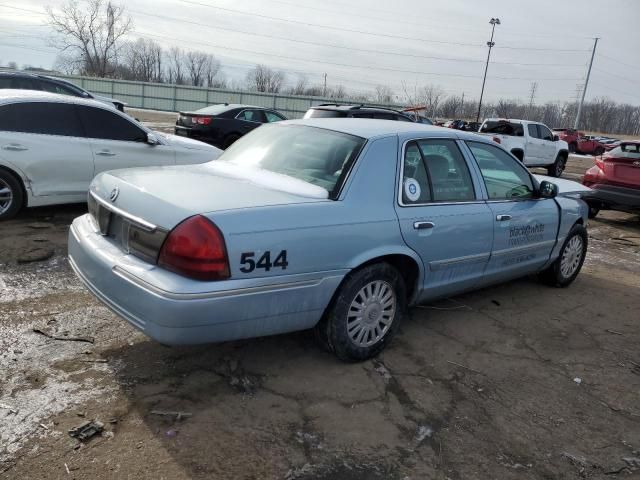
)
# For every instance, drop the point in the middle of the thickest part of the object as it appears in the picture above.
(571, 256)
(371, 313)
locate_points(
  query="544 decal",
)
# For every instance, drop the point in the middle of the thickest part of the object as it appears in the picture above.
(250, 263)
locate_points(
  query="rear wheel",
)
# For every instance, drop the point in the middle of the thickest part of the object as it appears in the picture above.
(11, 196)
(598, 151)
(556, 169)
(568, 264)
(593, 211)
(572, 148)
(365, 314)
(230, 140)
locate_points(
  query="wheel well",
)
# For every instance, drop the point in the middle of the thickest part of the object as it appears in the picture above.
(563, 154)
(20, 182)
(519, 154)
(406, 265)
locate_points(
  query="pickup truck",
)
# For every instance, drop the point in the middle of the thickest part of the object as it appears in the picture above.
(579, 142)
(336, 224)
(532, 143)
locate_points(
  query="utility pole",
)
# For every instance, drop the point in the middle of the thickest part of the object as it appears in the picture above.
(490, 44)
(324, 89)
(462, 105)
(532, 95)
(586, 82)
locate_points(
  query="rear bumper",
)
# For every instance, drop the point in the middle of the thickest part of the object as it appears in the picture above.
(613, 196)
(198, 135)
(229, 310)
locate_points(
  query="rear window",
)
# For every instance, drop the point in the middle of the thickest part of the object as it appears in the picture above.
(628, 150)
(319, 113)
(314, 155)
(214, 109)
(502, 127)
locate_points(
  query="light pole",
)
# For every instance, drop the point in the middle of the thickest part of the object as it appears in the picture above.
(490, 44)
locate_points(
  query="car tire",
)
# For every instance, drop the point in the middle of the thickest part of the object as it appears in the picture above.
(572, 148)
(556, 169)
(364, 314)
(11, 195)
(569, 262)
(598, 151)
(230, 140)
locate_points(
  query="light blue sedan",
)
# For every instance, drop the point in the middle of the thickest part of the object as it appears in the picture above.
(333, 224)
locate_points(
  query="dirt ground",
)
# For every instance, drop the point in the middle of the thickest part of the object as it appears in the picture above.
(517, 381)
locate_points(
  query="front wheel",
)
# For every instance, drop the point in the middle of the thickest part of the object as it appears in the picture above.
(598, 151)
(568, 264)
(572, 148)
(556, 169)
(365, 314)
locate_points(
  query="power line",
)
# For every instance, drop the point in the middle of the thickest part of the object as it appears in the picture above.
(362, 32)
(616, 75)
(366, 50)
(618, 61)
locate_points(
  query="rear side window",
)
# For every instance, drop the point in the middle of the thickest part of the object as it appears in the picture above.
(106, 125)
(24, 84)
(450, 177)
(502, 127)
(56, 88)
(251, 116)
(319, 113)
(533, 130)
(416, 187)
(504, 177)
(273, 117)
(41, 118)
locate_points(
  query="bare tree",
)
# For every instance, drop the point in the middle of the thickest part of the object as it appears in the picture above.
(176, 70)
(431, 96)
(301, 86)
(264, 79)
(383, 94)
(142, 60)
(91, 31)
(451, 107)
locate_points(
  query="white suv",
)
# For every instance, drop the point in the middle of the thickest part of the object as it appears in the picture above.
(533, 143)
(51, 147)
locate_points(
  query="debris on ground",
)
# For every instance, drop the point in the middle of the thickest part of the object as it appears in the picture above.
(177, 415)
(382, 370)
(8, 407)
(35, 255)
(66, 339)
(633, 462)
(424, 431)
(87, 430)
(578, 380)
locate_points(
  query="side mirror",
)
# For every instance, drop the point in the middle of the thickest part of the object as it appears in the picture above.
(548, 189)
(152, 139)
(556, 138)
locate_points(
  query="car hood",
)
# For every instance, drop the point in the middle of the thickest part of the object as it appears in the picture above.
(565, 187)
(167, 195)
(188, 143)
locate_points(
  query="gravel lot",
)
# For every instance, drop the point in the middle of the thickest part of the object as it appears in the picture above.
(515, 381)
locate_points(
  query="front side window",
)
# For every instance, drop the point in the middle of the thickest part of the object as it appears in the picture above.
(314, 155)
(273, 117)
(504, 177)
(450, 177)
(545, 133)
(106, 125)
(41, 118)
(251, 116)
(533, 130)
(56, 88)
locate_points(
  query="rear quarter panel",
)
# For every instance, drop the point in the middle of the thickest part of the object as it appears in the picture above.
(327, 236)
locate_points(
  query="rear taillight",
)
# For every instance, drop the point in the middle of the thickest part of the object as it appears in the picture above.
(497, 140)
(201, 120)
(600, 163)
(196, 249)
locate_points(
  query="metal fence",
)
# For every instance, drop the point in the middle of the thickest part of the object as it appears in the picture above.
(176, 98)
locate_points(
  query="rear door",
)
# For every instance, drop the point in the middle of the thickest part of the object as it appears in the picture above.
(441, 216)
(524, 228)
(45, 140)
(250, 119)
(117, 142)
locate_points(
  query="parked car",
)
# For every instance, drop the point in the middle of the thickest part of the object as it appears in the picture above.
(473, 126)
(332, 110)
(51, 147)
(221, 125)
(458, 124)
(615, 180)
(31, 81)
(333, 224)
(530, 142)
(580, 143)
(416, 117)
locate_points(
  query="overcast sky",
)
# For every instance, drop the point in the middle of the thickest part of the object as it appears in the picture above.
(362, 43)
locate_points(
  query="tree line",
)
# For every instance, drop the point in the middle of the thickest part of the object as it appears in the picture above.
(93, 37)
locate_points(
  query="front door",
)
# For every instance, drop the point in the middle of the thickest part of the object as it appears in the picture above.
(525, 228)
(534, 146)
(441, 218)
(44, 140)
(119, 143)
(548, 145)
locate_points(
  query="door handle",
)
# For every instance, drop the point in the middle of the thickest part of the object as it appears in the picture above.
(106, 153)
(15, 147)
(423, 225)
(503, 218)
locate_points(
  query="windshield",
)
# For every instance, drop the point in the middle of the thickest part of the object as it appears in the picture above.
(503, 127)
(314, 155)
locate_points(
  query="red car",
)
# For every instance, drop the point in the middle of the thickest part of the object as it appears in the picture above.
(615, 180)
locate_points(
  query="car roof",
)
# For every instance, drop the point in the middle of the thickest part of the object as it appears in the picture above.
(348, 108)
(513, 120)
(10, 95)
(371, 128)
